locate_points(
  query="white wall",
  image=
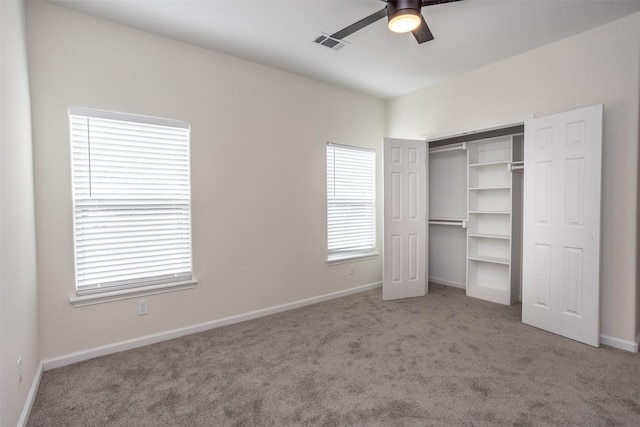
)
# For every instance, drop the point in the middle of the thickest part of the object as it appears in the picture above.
(598, 66)
(258, 140)
(18, 288)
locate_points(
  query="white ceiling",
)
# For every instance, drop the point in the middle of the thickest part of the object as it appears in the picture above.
(280, 33)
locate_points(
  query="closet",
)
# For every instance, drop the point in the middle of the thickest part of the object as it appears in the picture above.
(475, 213)
(507, 214)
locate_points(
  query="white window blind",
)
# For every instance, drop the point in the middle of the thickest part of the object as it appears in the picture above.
(131, 200)
(351, 222)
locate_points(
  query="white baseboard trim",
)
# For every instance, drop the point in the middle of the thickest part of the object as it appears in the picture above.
(447, 283)
(104, 350)
(631, 346)
(31, 397)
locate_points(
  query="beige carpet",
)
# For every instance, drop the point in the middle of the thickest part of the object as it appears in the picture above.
(445, 359)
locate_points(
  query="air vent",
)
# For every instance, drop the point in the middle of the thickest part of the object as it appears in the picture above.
(330, 42)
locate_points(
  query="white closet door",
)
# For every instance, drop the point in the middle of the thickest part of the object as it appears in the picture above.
(405, 219)
(561, 246)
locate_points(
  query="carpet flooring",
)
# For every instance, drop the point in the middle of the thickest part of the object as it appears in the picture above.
(442, 360)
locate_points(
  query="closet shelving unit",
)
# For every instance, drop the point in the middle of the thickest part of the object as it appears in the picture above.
(494, 219)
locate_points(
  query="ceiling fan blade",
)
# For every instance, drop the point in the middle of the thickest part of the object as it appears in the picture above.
(422, 33)
(434, 2)
(360, 24)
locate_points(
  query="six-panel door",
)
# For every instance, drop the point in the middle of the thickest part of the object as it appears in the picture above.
(561, 247)
(405, 219)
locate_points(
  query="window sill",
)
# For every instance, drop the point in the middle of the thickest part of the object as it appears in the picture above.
(341, 259)
(110, 296)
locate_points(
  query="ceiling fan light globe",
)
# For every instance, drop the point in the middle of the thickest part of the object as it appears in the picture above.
(404, 21)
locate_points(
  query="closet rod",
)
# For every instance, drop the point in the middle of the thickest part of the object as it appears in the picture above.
(514, 166)
(457, 222)
(442, 150)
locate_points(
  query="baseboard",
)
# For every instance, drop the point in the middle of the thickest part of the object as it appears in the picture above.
(631, 346)
(447, 283)
(104, 350)
(31, 397)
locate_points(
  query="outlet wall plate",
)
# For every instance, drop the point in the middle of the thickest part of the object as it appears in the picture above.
(143, 307)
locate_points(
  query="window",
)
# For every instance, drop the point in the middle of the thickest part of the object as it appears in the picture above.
(131, 199)
(351, 188)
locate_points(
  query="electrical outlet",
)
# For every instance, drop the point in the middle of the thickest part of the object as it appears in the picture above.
(19, 370)
(143, 307)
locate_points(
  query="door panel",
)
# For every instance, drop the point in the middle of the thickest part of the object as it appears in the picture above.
(561, 243)
(405, 219)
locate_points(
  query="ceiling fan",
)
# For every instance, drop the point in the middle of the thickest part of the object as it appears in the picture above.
(403, 16)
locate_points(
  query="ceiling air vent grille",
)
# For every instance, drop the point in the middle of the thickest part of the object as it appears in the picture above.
(330, 42)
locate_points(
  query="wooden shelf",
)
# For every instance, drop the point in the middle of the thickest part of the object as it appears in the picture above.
(476, 165)
(490, 213)
(492, 260)
(489, 236)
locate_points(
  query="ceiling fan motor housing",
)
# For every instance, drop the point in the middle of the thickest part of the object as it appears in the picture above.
(401, 7)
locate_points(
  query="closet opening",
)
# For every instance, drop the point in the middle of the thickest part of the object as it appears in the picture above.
(475, 213)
